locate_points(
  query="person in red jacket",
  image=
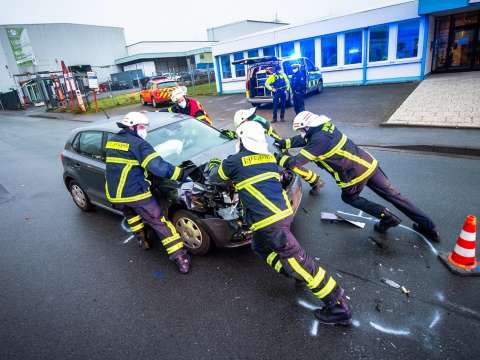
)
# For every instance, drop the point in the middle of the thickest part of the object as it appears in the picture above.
(188, 106)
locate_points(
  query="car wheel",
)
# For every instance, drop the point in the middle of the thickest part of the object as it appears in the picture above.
(196, 239)
(154, 103)
(320, 87)
(142, 100)
(79, 197)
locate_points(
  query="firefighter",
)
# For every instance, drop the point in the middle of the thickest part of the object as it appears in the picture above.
(279, 85)
(353, 168)
(299, 87)
(128, 158)
(254, 171)
(188, 106)
(250, 115)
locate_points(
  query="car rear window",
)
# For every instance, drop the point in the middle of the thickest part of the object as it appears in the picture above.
(166, 84)
(182, 140)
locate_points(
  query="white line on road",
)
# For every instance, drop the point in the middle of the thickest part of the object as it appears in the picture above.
(388, 330)
(314, 328)
(127, 240)
(307, 305)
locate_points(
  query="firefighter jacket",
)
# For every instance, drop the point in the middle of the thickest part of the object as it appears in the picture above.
(331, 150)
(128, 159)
(278, 82)
(267, 126)
(299, 82)
(256, 178)
(193, 109)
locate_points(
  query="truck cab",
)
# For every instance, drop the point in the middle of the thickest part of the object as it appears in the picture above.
(260, 68)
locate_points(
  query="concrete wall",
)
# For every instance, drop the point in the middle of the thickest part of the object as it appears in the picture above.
(152, 47)
(75, 44)
(148, 67)
(234, 30)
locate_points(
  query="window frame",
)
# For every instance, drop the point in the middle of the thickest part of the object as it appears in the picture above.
(418, 39)
(76, 148)
(321, 50)
(361, 48)
(304, 41)
(230, 65)
(387, 26)
(235, 66)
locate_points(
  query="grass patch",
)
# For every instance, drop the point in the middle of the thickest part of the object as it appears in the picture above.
(115, 101)
(202, 90)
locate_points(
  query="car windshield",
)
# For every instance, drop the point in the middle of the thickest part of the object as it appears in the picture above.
(184, 139)
(287, 65)
(166, 84)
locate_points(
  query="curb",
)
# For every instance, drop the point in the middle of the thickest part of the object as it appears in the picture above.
(431, 148)
(386, 124)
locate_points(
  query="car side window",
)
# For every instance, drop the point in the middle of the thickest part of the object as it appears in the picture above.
(310, 66)
(90, 145)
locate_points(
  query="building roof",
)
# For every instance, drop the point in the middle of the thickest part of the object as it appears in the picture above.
(248, 20)
(62, 23)
(149, 56)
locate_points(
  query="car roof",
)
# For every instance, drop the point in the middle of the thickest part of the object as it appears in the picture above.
(162, 80)
(156, 120)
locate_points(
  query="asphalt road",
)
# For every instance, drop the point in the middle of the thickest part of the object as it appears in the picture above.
(71, 288)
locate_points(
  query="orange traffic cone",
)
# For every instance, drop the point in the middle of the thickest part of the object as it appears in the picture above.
(462, 260)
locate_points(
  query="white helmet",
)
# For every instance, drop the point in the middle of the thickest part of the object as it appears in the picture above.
(177, 94)
(306, 119)
(134, 118)
(252, 136)
(242, 115)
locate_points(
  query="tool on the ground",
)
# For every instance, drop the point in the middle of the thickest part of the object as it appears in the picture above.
(341, 217)
(462, 260)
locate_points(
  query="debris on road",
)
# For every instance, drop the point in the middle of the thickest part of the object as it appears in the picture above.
(391, 283)
(341, 217)
(405, 291)
(304, 210)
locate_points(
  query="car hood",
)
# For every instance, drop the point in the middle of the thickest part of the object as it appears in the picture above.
(220, 152)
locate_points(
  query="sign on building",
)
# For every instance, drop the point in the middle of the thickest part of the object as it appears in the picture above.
(21, 46)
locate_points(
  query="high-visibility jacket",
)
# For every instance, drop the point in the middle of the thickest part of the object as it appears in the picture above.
(331, 150)
(257, 180)
(277, 82)
(128, 159)
(194, 109)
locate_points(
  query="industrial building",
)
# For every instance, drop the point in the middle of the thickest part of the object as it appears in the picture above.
(401, 42)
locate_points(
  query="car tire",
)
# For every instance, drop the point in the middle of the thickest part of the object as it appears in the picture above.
(154, 103)
(194, 235)
(80, 197)
(142, 101)
(320, 87)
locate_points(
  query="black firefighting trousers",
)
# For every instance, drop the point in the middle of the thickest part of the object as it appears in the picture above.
(280, 249)
(381, 185)
(150, 212)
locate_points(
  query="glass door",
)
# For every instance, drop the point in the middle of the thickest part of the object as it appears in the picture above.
(442, 32)
(461, 49)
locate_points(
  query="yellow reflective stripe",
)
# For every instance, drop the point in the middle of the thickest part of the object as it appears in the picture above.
(117, 160)
(258, 159)
(139, 197)
(201, 117)
(170, 239)
(257, 178)
(174, 248)
(300, 270)
(283, 160)
(116, 145)
(333, 150)
(362, 177)
(221, 173)
(271, 257)
(331, 171)
(327, 289)
(137, 227)
(263, 200)
(313, 179)
(149, 158)
(271, 219)
(301, 172)
(134, 219)
(278, 266)
(176, 173)
(288, 143)
(354, 158)
(170, 109)
(123, 179)
(317, 279)
(308, 155)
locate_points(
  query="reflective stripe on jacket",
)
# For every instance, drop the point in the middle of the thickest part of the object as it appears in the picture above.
(278, 82)
(257, 181)
(128, 159)
(331, 150)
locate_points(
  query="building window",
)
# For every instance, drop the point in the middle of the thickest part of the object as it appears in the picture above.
(253, 53)
(329, 50)
(239, 68)
(407, 40)
(287, 49)
(307, 49)
(226, 68)
(202, 56)
(353, 47)
(269, 51)
(378, 47)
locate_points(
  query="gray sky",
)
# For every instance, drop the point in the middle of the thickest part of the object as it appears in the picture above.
(174, 20)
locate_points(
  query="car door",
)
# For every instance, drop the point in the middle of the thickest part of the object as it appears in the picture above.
(146, 93)
(91, 164)
(313, 75)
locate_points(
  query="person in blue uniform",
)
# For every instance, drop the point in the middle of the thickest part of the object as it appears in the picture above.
(279, 85)
(255, 175)
(299, 87)
(353, 168)
(128, 159)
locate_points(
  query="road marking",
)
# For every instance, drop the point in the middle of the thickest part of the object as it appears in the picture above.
(307, 305)
(314, 328)
(435, 320)
(388, 330)
(127, 240)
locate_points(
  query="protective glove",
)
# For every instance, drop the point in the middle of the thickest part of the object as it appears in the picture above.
(213, 163)
(281, 144)
(278, 156)
(229, 133)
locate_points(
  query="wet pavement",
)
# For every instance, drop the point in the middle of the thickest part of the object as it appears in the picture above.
(72, 288)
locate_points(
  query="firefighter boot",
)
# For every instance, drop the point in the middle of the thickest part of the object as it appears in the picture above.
(430, 234)
(335, 312)
(183, 263)
(143, 242)
(316, 186)
(387, 220)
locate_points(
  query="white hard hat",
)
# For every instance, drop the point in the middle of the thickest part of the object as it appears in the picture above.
(242, 115)
(177, 94)
(252, 136)
(307, 119)
(134, 118)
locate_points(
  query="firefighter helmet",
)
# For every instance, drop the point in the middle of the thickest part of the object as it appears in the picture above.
(252, 136)
(134, 118)
(177, 95)
(306, 119)
(242, 115)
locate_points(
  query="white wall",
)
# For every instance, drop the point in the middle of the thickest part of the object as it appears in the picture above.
(6, 81)
(149, 47)
(237, 29)
(148, 68)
